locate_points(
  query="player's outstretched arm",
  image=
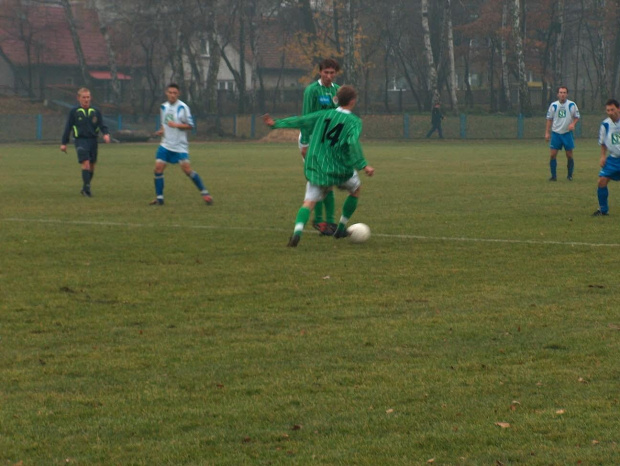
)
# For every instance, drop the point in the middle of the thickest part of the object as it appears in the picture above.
(268, 120)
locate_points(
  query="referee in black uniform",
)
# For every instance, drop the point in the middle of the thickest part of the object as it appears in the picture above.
(85, 123)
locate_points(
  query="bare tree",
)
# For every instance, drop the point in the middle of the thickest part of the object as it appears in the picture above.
(214, 56)
(558, 27)
(18, 15)
(450, 42)
(432, 70)
(596, 34)
(504, 56)
(351, 63)
(525, 106)
(77, 45)
(616, 54)
(115, 83)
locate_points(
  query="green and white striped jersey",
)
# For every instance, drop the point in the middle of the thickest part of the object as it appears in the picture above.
(317, 97)
(335, 150)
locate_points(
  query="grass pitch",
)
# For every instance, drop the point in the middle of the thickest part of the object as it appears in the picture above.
(479, 325)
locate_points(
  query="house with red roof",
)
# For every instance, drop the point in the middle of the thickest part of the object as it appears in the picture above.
(38, 57)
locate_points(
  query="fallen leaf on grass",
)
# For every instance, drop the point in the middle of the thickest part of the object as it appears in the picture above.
(595, 442)
(503, 425)
(514, 405)
(326, 277)
(582, 380)
(296, 427)
(432, 460)
(389, 411)
(560, 411)
(247, 439)
(614, 327)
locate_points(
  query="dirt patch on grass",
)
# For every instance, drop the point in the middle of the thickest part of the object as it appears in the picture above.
(281, 135)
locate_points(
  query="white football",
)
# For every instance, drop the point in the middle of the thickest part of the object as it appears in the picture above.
(359, 233)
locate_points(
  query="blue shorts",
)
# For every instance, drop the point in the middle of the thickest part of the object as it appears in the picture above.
(611, 169)
(168, 156)
(562, 140)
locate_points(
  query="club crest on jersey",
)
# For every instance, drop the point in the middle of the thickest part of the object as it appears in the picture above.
(325, 100)
(562, 113)
(615, 139)
(94, 120)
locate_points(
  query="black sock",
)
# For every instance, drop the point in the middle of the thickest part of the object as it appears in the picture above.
(86, 180)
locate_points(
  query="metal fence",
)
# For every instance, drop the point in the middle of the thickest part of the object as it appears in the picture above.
(49, 128)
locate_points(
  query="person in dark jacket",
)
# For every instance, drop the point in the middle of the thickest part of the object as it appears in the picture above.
(85, 123)
(436, 117)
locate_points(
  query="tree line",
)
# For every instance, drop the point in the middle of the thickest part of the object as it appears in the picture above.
(431, 49)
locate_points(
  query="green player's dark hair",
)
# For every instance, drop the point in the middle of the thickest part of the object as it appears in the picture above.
(345, 95)
(329, 63)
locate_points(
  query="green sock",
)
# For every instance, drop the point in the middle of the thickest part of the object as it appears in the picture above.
(329, 203)
(350, 204)
(303, 214)
(318, 212)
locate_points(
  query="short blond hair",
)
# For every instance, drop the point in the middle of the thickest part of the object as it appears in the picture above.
(82, 90)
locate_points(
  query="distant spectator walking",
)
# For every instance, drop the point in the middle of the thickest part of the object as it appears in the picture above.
(436, 117)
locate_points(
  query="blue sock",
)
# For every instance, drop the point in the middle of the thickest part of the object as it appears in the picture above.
(195, 177)
(159, 185)
(603, 194)
(553, 165)
(571, 167)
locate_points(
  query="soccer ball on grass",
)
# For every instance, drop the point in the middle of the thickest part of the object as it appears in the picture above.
(359, 233)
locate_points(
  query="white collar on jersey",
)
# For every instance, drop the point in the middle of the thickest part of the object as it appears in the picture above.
(321, 83)
(343, 110)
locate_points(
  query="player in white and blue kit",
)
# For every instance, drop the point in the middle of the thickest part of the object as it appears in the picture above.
(609, 140)
(176, 120)
(562, 117)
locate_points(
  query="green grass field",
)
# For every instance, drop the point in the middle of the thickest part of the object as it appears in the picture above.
(478, 326)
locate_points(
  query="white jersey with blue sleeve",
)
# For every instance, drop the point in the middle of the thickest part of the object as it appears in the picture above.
(562, 115)
(609, 136)
(175, 139)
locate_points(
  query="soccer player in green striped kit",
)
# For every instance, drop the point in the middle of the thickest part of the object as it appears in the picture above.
(334, 156)
(320, 96)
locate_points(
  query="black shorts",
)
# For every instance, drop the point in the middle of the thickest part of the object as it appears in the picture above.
(86, 150)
